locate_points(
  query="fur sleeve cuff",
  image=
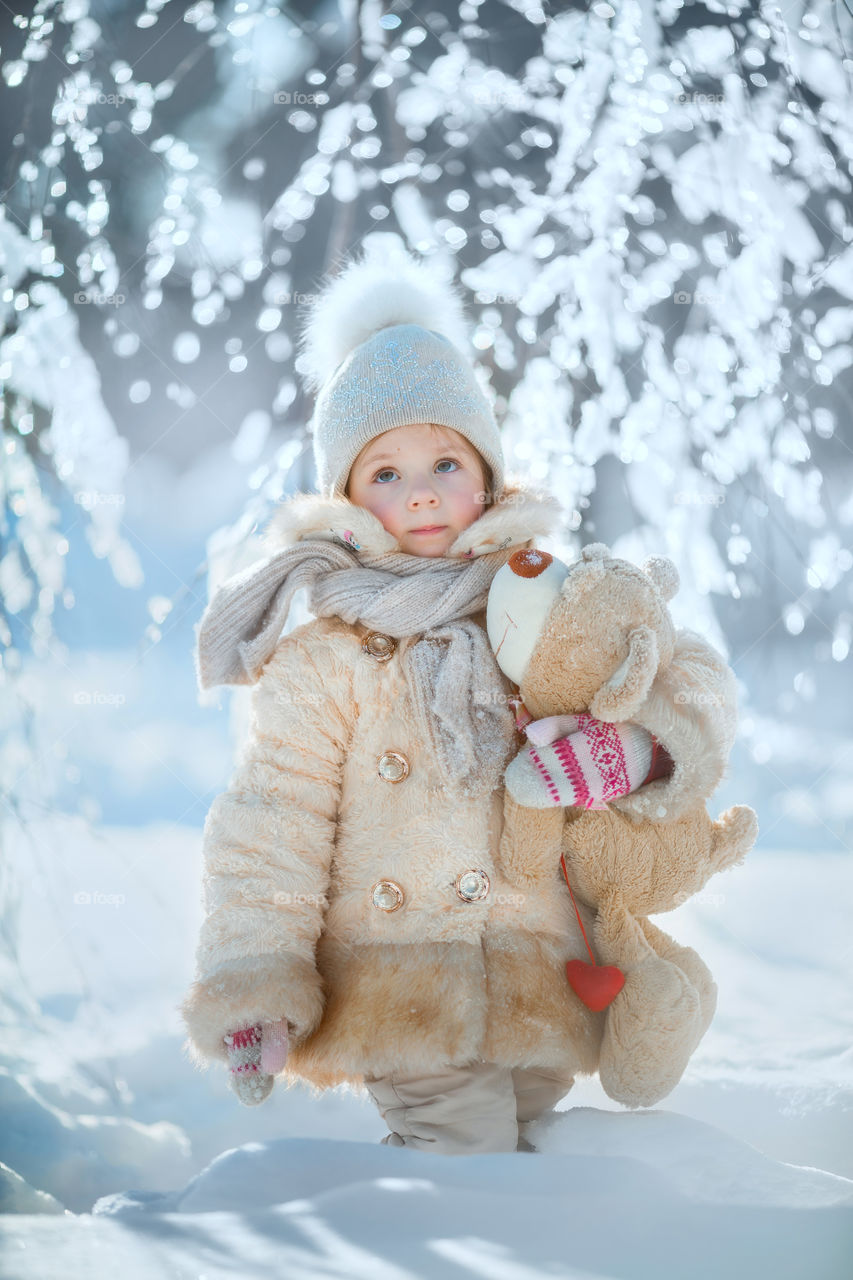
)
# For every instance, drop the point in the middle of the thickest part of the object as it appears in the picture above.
(244, 992)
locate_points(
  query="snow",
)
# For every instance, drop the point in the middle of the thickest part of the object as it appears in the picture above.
(156, 1169)
(311, 1208)
(117, 1157)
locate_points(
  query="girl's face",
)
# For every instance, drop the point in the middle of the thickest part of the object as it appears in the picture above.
(418, 476)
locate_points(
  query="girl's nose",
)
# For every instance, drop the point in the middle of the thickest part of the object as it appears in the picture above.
(422, 493)
(529, 563)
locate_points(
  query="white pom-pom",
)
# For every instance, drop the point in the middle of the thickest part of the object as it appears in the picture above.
(385, 286)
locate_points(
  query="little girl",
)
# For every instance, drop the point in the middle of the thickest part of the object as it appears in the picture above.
(358, 923)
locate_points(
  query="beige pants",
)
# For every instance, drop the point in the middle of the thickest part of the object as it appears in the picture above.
(464, 1110)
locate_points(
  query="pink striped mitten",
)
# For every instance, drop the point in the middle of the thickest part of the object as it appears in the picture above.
(255, 1056)
(578, 760)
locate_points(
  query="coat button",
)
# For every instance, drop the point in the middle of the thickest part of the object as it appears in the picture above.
(387, 895)
(393, 766)
(378, 646)
(472, 886)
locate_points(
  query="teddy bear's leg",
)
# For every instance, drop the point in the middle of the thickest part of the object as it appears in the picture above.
(735, 832)
(655, 1022)
(690, 962)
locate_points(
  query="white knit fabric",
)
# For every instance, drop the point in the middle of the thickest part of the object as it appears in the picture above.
(382, 344)
(455, 685)
(401, 376)
(578, 760)
(255, 1057)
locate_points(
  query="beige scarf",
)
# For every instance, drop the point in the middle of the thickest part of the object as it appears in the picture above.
(454, 681)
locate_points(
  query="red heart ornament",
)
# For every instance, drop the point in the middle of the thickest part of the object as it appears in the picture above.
(597, 985)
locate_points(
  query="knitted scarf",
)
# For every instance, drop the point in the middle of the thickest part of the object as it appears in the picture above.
(454, 682)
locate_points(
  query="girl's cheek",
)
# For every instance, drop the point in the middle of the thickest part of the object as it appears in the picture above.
(471, 489)
(382, 505)
(464, 484)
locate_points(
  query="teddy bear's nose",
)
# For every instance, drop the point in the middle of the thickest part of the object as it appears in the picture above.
(529, 563)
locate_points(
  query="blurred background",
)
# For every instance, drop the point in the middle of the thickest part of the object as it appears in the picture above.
(649, 208)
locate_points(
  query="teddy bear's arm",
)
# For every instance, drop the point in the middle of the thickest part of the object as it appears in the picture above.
(692, 711)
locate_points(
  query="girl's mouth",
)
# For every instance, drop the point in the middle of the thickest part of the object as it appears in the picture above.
(433, 528)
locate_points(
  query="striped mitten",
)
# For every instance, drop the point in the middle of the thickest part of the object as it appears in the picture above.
(578, 760)
(255, 1055)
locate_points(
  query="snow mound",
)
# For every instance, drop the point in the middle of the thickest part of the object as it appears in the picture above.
(17, 1196)
(646, 1195)
(78, 1157)
(653, 1154)
(704, 1163)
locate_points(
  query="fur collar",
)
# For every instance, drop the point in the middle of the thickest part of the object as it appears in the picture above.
(521, 515)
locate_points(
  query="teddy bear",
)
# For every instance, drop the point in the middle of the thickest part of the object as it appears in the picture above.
(596, 639)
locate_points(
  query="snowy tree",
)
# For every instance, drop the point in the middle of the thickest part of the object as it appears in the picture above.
(649, 205)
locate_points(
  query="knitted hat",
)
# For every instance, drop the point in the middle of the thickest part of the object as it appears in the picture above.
(383, 346)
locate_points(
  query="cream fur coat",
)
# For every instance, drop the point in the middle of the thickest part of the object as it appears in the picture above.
(307, 827)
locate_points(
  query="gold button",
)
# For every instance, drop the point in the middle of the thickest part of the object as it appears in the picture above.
(472, 886)
(393, 766)
(379, 646)
(387, 895)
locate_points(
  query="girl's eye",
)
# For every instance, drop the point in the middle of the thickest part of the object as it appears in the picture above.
(391, 471)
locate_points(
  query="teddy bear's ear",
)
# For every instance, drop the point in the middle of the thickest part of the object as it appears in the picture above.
(595, 551)
(621, 696)
(663, 574)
